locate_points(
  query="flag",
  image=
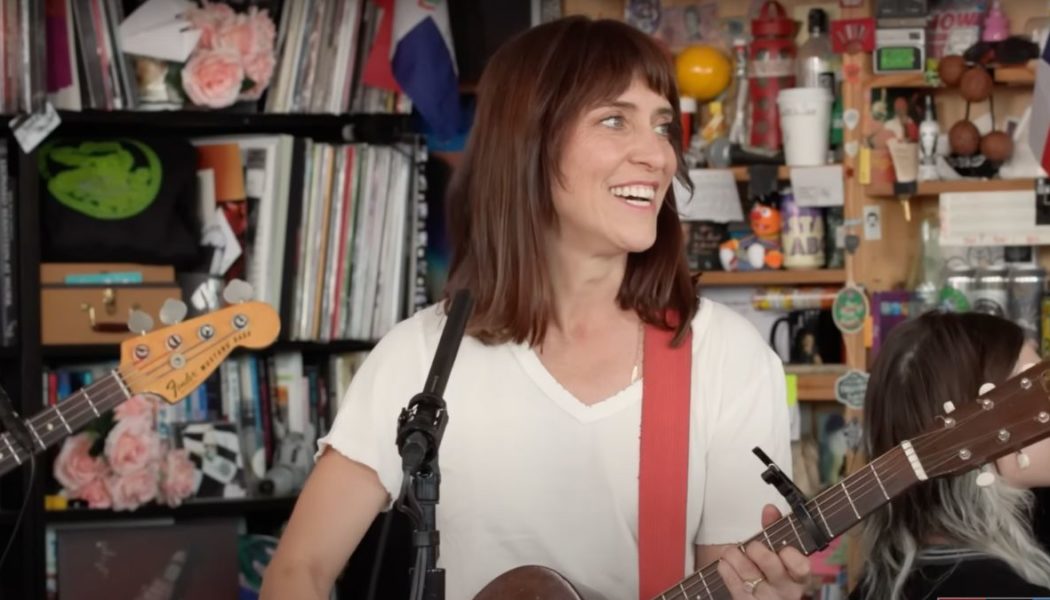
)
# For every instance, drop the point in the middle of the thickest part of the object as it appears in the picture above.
(416, 43)
(1039, 132)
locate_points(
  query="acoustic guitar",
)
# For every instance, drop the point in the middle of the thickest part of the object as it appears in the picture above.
(168, 363)
(1004, 419)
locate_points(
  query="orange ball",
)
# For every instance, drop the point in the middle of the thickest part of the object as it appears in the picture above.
(703, 72)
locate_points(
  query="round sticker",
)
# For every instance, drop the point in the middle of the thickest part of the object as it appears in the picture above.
(850, 309)
(850, 388)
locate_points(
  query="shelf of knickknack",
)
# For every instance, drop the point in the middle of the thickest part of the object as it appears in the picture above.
(771, 277)
(816, 383)
(1020, 75)
(935, 188)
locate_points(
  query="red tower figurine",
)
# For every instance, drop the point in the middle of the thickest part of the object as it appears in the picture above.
(772, 55)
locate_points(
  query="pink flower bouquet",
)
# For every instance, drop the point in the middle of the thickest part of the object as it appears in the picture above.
(121, 462)
(234, 57)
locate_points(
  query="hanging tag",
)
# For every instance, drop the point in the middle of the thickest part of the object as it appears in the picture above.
(31, 129)
(850, 388)
(850, 309)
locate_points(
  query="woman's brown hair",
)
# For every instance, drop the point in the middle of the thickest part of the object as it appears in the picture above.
(499, 201)
(935, 358)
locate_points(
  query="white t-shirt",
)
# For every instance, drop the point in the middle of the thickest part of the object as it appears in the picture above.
(530, 475)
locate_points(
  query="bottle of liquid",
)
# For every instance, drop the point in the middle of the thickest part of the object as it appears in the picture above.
(816, 66)
(815, 58)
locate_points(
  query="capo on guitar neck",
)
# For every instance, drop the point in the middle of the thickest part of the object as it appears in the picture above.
(796, 500)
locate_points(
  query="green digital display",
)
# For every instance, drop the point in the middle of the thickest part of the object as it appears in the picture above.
(898, 59)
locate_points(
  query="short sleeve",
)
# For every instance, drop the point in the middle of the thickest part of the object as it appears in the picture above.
(365, 426)
(751, 410)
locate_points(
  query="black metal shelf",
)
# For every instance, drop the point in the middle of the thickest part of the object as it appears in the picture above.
(367, 127)
(112, 351)
(188, 510)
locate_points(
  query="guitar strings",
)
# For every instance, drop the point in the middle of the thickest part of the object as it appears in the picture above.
(836, 505)
(115, 385)
(777, 528)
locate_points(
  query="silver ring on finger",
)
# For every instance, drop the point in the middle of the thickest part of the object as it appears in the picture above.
(752, 584)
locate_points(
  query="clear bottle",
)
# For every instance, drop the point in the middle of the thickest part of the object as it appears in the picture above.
(816, 66)
(816, 61)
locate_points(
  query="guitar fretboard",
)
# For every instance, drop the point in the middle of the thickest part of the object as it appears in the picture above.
(835, 510)
(54, 424)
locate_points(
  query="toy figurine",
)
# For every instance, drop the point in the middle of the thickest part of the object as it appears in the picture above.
(761, 248)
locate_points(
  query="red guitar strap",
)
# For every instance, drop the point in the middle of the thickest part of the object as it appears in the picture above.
(664, 462)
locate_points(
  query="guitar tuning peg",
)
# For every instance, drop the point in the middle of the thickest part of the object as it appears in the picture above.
(139, 322)
(172, 311)
(985, 388)
(986, 478)
(238, 291)
(949, 407)
(1027, 366)
(1023, 462)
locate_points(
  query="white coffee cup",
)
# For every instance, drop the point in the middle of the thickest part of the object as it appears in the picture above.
(805, 124)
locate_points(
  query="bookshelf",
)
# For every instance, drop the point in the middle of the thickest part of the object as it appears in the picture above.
(261, 507)
(23, 574)
(935, 188)
(771, 277)
(1020, 75)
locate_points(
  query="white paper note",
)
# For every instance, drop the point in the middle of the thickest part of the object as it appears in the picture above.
(817, 186)
(715, 197)
(991, 219)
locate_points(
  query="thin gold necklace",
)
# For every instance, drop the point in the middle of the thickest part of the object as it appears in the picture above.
(638, 354)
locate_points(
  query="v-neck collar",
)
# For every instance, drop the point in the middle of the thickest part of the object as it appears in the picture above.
(563, 398)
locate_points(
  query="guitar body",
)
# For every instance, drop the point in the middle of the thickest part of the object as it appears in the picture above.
(529, 583)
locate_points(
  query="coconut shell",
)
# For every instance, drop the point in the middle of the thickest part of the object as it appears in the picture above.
(976, 84)
(997, 146)
(964, 138)
(950, 69)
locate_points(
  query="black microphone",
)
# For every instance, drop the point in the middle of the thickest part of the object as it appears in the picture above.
(422, 423)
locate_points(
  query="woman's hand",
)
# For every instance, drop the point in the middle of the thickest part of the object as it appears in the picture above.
(762, 573)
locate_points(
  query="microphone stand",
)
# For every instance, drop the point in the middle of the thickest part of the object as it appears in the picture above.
(421, 426)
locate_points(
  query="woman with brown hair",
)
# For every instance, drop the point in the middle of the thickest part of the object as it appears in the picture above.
(951, 537)
(565, 230)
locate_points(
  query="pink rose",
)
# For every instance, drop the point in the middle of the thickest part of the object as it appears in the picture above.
(131, 445)
(131, 490)
(75, 467)
(238, 35)
(177, 477)
(213, 78)
(96, 494)
(138, 406)
(265, 30)
(209, 20)
(259, 69)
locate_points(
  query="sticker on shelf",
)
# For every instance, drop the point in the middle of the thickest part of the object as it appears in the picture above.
(33, 128)
(850, 388)
(850, 309)
(872, 222)
(851, 118)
